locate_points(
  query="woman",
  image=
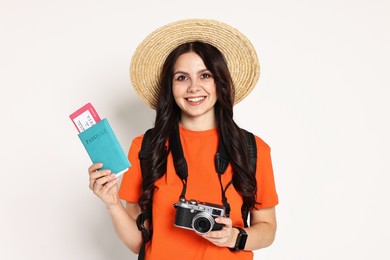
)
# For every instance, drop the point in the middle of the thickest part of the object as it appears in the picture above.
(194, 98)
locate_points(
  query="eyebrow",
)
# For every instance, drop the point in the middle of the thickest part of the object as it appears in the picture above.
(186, 73)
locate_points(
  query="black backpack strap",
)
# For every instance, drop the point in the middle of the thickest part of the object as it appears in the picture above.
(251, 141)
(252, 150)
(147, 214)
(145, 152)
(221, 159)
(179, 161)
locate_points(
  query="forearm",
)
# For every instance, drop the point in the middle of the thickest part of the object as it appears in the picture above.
(125, 227)
(262, 230)
(260, 235)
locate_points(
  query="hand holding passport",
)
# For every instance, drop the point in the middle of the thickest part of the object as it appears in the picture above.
(99, 140)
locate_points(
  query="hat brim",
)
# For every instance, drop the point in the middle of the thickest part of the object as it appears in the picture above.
(148, 59)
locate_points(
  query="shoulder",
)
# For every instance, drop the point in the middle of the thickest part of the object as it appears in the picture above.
(261, 144)
(137, 141)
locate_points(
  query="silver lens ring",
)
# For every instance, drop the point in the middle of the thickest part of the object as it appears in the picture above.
(202, 223)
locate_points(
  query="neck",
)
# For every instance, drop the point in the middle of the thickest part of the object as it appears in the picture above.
(198, 123)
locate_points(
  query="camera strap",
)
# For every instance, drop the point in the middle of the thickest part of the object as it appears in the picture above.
(221, 162)
(179, 161)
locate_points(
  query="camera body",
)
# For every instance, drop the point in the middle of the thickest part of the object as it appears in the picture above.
(198, 216)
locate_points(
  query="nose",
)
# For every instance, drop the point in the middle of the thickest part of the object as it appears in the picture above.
(194, 85)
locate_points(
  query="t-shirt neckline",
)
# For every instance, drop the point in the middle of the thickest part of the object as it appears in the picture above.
(196, 133)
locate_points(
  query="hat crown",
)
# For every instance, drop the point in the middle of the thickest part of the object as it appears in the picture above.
(149, 57)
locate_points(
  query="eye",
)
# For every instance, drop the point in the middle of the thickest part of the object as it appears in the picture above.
(180, 78)
(206, 75)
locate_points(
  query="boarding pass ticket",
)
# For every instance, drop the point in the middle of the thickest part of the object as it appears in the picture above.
(85, 117)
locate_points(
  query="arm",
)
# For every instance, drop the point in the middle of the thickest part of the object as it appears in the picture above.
(105, 186)
(124, 221)
(261, 233)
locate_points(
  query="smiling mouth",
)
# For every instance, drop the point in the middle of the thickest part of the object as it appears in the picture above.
(195, 99)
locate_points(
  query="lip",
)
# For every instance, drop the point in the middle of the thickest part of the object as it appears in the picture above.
(195, 100)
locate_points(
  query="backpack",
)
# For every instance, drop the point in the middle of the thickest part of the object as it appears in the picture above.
(223, 163)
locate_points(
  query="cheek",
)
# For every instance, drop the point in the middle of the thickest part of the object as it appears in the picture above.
(212, 89)
(177, 93)
(214, 94)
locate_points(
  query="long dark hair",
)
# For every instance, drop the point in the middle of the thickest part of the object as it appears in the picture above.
(168, 116)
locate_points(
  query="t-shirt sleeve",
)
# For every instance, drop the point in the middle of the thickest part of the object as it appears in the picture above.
(131, 185)
(266, 190)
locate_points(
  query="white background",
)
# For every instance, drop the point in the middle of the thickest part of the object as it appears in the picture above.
(322, 104)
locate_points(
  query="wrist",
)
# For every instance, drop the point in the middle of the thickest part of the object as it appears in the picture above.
(113, 207)
(240, 241)
(233, 239)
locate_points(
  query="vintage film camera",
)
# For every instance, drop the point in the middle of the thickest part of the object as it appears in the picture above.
(198, 216)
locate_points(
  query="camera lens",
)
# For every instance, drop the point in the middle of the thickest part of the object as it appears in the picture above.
(202, 223)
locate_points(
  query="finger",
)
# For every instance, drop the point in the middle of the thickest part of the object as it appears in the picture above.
(99, 174)
(102, 180)
(94, 176)
(95, 167)
(226, 222)
(101, 188)
(112, 183)
(215, 234)
(216, 241)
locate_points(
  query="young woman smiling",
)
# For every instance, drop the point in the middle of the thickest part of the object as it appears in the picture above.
(192, 72)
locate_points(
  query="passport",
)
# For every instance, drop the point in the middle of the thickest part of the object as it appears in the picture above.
(102, 146)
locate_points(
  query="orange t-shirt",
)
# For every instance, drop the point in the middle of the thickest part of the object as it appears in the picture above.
(199, 147)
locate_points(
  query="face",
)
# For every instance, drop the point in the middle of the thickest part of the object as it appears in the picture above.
(194, 88)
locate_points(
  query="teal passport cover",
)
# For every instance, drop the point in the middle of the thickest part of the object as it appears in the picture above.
(102, 146)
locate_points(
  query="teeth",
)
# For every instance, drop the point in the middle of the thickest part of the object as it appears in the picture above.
(196, 99)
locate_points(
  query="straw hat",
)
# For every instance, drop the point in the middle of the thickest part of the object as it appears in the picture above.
(148, 58)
